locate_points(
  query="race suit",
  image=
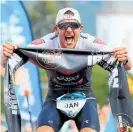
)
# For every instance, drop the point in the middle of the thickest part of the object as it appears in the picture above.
(69, 78)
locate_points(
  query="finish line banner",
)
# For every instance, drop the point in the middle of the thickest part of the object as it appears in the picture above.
(63, 58)
(15, 27)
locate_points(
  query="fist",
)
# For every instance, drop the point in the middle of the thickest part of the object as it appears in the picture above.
(120, 54)
(8, 48)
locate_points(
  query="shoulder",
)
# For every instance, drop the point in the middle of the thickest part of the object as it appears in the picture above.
(91, 38)
(99, 41)
(45, 39)
(85, 40)
(87, 36)
(90, 42)
(49, 37)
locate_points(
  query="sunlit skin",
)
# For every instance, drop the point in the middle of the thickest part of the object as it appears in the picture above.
(69, 32)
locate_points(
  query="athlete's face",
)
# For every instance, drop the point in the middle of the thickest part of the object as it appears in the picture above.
(68, 32)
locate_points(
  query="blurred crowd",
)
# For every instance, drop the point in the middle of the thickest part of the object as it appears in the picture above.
(3, 125)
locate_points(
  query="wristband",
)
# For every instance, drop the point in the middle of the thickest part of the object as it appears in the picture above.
(125, 62)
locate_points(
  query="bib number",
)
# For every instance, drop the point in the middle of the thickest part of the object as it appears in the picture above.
(71, 103)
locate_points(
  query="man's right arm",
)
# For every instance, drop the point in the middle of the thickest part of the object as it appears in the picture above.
(8, 49)
(44, 42)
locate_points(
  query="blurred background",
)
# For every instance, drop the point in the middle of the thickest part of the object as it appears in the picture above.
(111, 21)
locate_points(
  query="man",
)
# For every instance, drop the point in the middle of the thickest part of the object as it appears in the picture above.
(68, 34)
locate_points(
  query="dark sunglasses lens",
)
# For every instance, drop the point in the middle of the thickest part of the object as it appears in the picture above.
(62, 26)
(73, 25)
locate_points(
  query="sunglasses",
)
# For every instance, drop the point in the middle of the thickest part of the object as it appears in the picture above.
(65, 25)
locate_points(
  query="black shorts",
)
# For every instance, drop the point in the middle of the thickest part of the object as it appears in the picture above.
(87, 117)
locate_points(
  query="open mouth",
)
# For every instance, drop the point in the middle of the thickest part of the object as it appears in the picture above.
(69, 39)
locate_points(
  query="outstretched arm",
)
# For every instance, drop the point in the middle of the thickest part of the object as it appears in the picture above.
(120, 54)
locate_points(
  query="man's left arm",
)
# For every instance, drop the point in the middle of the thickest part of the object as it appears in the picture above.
(121, 55)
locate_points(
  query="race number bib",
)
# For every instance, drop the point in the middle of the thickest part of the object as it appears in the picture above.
(71, 103)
